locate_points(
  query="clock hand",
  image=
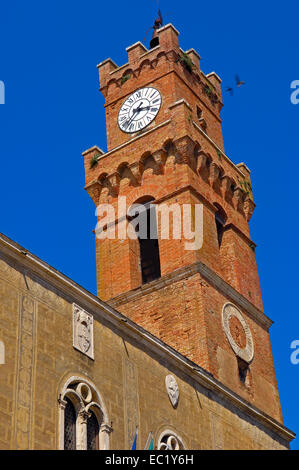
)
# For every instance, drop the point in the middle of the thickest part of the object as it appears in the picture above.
(145, 108)
(136, 111)
(133, 115)
(127, 123)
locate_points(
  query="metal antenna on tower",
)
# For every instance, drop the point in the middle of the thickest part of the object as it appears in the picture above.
(157, 25)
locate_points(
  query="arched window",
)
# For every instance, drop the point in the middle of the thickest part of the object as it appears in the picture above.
(69, 426)
(143, 218)
(220, 220)
(83, 417)
(169, 440)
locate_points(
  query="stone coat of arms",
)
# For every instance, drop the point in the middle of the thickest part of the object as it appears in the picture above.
(83, 331)
(172, 390)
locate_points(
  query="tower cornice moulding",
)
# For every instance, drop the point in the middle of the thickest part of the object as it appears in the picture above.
(210, 276)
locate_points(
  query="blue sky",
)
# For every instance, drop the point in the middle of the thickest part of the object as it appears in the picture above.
(48, 56)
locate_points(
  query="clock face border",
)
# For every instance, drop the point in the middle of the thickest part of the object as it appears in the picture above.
(136, 91)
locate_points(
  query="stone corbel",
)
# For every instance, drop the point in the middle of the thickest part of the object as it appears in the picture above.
(114, 181)
(214, 174)
(238, 199)
(185, 149)
(104, 91)
(135, 169)
(226, 183)
(141, 168)
(94, 190)
(201, 161)
(248, 208)
(160, 159)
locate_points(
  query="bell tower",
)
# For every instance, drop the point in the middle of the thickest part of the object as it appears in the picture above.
(205, 302)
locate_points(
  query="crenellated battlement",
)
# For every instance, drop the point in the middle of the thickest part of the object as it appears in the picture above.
(161, 66)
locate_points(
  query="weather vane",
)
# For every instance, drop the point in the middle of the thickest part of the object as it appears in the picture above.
(157, 25)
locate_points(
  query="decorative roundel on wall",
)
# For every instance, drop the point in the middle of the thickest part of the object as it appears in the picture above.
(172, 390)
(237, 332)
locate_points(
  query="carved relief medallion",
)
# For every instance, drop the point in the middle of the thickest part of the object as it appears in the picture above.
(83, 331)
(237, 332)
(172, 390)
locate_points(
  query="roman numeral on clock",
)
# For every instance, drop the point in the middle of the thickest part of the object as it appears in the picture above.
(153, 94)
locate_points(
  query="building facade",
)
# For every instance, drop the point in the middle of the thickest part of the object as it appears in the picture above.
(177, 343)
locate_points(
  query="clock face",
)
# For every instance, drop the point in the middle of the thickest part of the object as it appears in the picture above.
(139, 110)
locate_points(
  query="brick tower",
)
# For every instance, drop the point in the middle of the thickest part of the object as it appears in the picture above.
(168, 147)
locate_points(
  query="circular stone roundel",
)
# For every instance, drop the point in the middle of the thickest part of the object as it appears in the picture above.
(237, 332)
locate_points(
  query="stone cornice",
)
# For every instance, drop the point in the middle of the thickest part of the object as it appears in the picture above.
(239, 232)
(177, 103)
(121, 324)
(93, 149)
(106, 61)
(194, 52)
(210, 276)
(188, 187)
(243, 164)
(119, 68)
(150, 51)
(115, 149)
(137, 44)
(255, 313)
(167, 26)
(214, 74)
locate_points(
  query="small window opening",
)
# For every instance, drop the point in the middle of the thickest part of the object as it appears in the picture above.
(149, 249)
(148, 244)
(199, 112)
(220, 220)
